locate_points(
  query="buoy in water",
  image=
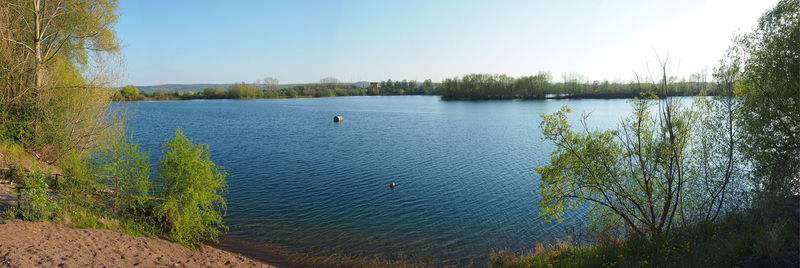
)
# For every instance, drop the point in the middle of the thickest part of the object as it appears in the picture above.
(391, 185)
(338, 118)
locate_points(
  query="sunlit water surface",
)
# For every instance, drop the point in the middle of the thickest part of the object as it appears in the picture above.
(464, 171)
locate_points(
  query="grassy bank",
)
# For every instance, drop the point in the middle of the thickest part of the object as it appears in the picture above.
(767, 236)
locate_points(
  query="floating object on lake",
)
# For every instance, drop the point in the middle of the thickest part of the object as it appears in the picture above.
(391, 185)
(338, 118)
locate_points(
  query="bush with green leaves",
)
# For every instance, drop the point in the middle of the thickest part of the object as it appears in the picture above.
(192, 189)
(127, 170)
(10, 213)
(78, 187)
(37, 204)
(766, 65)
(660, 169)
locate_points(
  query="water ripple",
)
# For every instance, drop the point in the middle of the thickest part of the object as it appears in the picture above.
(464, 172)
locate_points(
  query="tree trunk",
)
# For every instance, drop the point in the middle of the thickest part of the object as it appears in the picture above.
(37, 43)
(38, 64)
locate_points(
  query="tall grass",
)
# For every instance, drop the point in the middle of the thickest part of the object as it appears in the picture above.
(755, 237)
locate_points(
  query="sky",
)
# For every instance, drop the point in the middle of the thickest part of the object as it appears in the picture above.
(190, 42)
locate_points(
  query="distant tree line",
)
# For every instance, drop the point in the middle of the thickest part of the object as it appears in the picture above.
(467, 87)
(326, 87)
(405, 87)
(541, 86)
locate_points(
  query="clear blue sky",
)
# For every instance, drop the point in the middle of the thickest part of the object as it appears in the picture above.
(303, 41)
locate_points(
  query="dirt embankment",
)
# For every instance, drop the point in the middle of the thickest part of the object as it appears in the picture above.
(33, 244)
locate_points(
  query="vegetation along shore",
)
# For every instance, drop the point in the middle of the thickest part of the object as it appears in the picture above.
(715, 182)
(467, 87)
(710, 182)
(55, 119)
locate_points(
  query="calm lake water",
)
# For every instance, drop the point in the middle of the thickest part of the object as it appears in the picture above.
(299, 181)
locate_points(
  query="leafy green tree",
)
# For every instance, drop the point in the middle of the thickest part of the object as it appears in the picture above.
(56, 85)
(387, 87)
(78, 192)
(291, 93)
(427, 87)
(236, 91)
(128, 171)
(768, 65)
(656, 171)
(192, 189)
(635, 176)
(219, 92)
(38, 205)
(323, 93)
(130, 92)
(209, 92)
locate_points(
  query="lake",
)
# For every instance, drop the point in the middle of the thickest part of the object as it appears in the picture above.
(300, 182)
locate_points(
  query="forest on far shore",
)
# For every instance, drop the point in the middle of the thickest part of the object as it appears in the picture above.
(467, 87)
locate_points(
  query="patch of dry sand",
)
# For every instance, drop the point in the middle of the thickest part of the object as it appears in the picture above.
(29, 244)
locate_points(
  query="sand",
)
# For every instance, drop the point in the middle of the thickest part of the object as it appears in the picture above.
(30, 244)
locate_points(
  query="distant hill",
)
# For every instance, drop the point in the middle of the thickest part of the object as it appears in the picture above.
(194, 87)
(179, 87)
(361, 83)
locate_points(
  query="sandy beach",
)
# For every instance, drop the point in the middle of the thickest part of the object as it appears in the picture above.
(45, 244)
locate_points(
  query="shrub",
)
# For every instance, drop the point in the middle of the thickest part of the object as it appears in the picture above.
(79, 186)
(191, 187)
(37, 205)
(128, 171)
(86, 218)
(10, 213)
(769, 242)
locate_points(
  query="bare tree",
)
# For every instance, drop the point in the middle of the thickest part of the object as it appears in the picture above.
(270, 83)
(329, 82)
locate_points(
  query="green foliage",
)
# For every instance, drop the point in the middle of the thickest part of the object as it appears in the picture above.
(10, 213)
(769, 242)
(767, 65)
(291, 93)
(539, 86)
(136, 226)
(208, 92)
(646, 175)
(427, 87)
(127, 170)
(48, 103)
(38, 204)
(327, 87)
(736, 236)
(88, 201)
(79, 188)
(113, 191)
(129, 93)
(87, 218)
(716, 148)
(242, 91)
(192, 189)
(54, 103)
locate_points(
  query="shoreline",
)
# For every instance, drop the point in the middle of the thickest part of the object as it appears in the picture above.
(269, 255)
(259, 253)
(577, 97)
